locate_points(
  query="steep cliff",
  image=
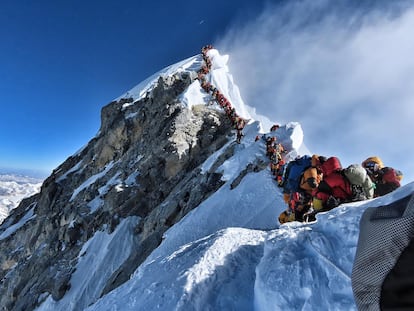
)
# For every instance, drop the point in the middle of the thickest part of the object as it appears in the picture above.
(142, 165)
(163, 167)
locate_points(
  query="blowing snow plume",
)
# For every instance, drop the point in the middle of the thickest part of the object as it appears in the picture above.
(344, 71)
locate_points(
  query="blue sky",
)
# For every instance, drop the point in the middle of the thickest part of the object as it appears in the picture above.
(344, 71)
(62, 61)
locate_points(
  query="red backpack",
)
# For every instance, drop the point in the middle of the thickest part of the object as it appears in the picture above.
(389, 176)
(331, 165)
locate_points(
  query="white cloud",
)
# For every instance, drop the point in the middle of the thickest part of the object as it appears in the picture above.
(345, 73)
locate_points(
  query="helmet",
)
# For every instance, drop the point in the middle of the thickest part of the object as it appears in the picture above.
(371, 161)
(371, 166)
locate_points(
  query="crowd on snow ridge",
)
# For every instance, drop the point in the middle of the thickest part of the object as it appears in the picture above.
(237, 122)
(313, 184)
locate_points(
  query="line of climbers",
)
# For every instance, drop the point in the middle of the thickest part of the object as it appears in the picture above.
(237, 122)
(313, 184)
(275, 152)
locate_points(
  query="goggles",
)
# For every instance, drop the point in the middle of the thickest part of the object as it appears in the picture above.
(371, 166)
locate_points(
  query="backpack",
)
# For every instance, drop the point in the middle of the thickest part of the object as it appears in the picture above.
(310, 179)
(331, 165)
(387, 181)
(361, 184)
(293, 173)
(389, 176)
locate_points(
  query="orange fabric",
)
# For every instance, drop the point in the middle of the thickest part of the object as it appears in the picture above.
(311, 172)
(285, 217)
(315, 161)
(374, 159)
(286, 198)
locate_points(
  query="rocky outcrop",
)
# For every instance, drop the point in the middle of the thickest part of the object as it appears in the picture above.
(143, 162)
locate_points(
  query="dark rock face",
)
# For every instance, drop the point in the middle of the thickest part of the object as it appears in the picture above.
(143, 162)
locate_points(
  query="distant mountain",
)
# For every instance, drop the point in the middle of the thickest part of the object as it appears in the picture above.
(163, 210)
(31, 173)
(13, 188)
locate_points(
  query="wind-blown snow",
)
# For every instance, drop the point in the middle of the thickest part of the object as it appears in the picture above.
(220, 77)
(230, 253)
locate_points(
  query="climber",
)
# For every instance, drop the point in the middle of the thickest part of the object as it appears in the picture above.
(386, 179)
(299, 203)
(206, 86)
(293, 173)
(371, 161)
(239, 125)
(280, 170)
(237, 122)
(276, 151)
(274, 127)
(298, 200)
(206, 48)
(361, 184)
(334, 188)
(310, 179)
(317, 161)
(302, 199)
(270, 145)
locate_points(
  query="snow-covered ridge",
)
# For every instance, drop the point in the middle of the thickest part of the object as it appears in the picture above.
(139, 91)
(229, 253)
(13, 188)
(219, 76)
(223, 254)
(216, 243)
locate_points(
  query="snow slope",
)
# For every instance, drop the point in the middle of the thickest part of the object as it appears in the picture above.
(13, 188)
(230, 253)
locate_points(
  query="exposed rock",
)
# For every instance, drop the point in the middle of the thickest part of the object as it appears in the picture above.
(143, 161)
(257, 167)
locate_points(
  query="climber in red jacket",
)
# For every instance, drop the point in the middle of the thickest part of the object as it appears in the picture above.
(333, 189)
